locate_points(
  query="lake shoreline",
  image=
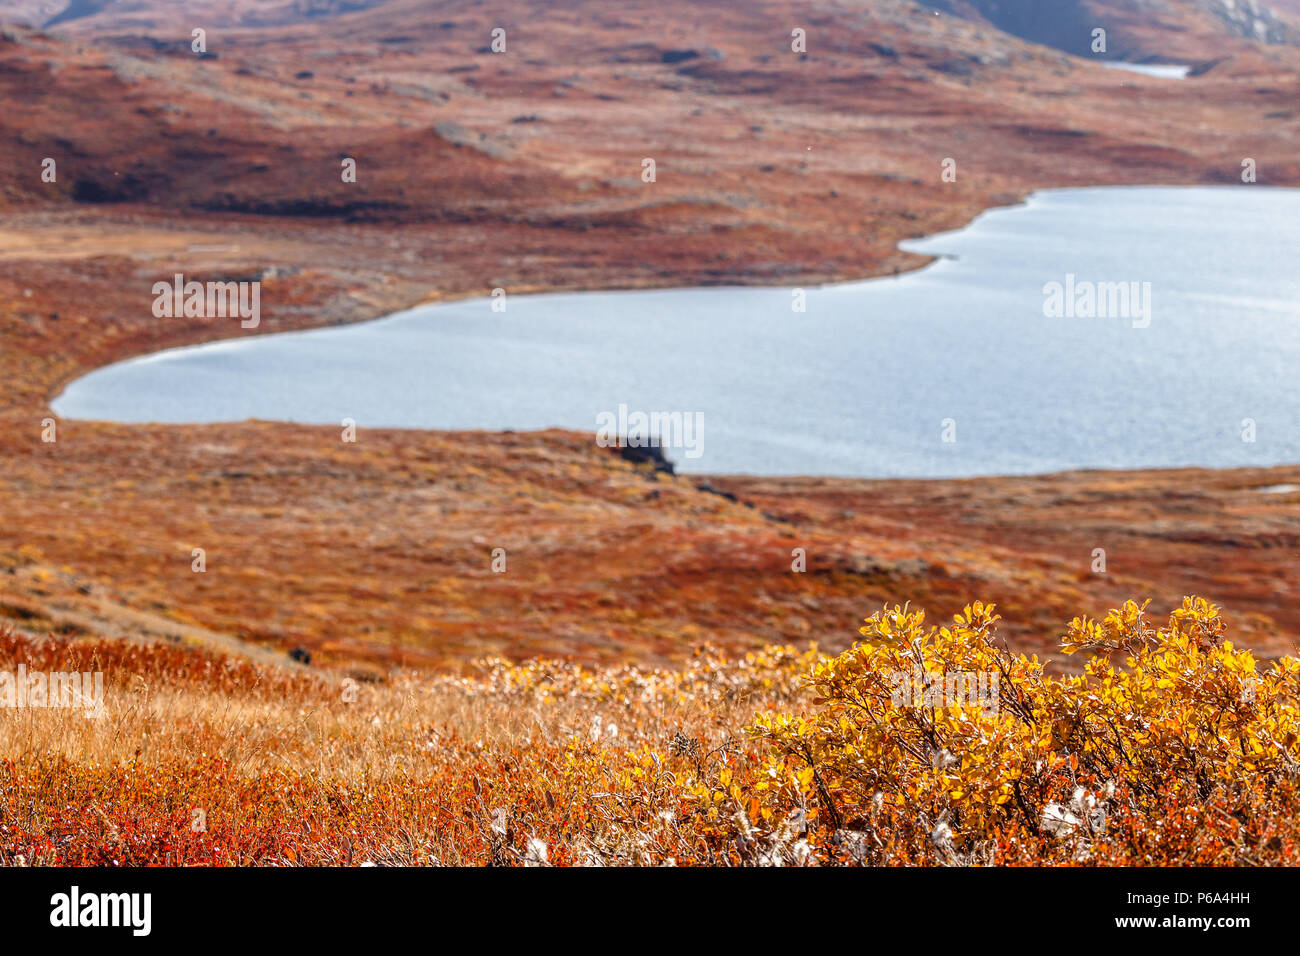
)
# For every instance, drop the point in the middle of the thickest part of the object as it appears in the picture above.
(559, 321)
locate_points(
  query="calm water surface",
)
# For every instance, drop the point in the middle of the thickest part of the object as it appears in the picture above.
(949, 371)
(1163, 71)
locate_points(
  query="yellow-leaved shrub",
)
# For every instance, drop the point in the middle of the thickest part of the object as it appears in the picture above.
(936, 744)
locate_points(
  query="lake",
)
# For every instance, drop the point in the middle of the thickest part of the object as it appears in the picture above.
(1162, 71)
(1119, 327)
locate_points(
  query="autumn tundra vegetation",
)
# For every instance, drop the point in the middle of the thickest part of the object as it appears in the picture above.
(556, 715)
(1170, 746)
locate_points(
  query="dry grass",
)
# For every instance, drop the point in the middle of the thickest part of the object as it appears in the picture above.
(779, 757)
(293, 768)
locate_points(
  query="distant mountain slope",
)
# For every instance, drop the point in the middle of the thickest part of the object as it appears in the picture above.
(1198, 30)
(133, 116)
